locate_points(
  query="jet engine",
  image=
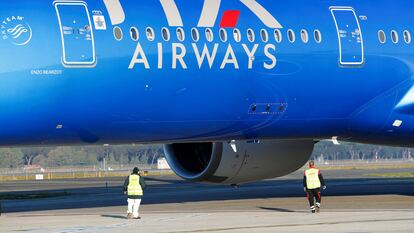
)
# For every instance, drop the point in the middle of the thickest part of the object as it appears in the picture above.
(237, 161)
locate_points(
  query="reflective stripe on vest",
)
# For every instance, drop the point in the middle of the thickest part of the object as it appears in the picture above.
(312, 178)
(134, 188)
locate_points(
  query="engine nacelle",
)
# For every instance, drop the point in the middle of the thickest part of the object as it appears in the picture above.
(237, 162)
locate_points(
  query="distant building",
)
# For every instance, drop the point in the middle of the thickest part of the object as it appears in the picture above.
(162, 164)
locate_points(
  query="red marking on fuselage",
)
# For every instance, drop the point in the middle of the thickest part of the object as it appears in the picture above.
(230, 19)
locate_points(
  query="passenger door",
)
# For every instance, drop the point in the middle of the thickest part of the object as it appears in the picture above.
(351, 44)
(77, 34)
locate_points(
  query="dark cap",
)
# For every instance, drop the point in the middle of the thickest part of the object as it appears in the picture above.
(136, 170)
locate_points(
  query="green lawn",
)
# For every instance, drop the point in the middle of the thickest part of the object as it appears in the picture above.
(393, 175)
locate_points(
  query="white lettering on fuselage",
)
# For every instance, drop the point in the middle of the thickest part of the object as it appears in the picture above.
(269, 55)
(229, 58)
(139, 57)
(46, 72)
(178, 56)
(250, 54)
(206, 53)
(209, 54)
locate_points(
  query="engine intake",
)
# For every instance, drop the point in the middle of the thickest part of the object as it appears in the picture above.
(218, 162)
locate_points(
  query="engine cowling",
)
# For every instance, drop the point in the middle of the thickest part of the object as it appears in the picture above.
(237, 162)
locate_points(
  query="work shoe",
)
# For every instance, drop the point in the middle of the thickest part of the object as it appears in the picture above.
(313, 209)
(318, 207)
(129, 216)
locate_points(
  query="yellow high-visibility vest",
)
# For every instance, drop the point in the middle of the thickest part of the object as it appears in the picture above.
(134, 188)
(312, 178)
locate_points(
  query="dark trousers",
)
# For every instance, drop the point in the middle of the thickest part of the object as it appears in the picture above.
(312, 195)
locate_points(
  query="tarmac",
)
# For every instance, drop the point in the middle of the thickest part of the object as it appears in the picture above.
(353, 202)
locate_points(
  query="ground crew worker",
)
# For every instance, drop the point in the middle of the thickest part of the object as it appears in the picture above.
(133, 187)
(312, 183)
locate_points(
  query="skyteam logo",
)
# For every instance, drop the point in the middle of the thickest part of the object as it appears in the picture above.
(16, 30)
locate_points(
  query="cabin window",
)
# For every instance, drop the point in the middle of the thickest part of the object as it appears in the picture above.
(134, 33)
(394, 36)
(223, 35)
(254, 108)
(278, 36)
(118, 33)
(165, 34)
(291, 36)
(318, 36)
(180, 34)
(264, 35)
(150, 34)
(268, 108)
(250, 35)
(237, 35)
(304, 36)
(195, 35)
(209, 35)
(407, 37)
(382, 37)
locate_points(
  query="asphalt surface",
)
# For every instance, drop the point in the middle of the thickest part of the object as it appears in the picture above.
(352, 199)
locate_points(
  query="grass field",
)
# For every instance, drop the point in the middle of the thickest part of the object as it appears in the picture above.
(393, 175)
(368, 166)
(80, 175)
(55, 175)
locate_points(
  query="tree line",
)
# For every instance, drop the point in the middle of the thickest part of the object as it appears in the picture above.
(149, 154)
(79, 155)
(326, 150)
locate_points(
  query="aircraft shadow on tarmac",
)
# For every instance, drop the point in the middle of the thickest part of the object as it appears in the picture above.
(114, 216)
(169, 191)
(276, 209)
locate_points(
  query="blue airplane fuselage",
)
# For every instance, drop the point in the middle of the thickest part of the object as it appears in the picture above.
(65, 78)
